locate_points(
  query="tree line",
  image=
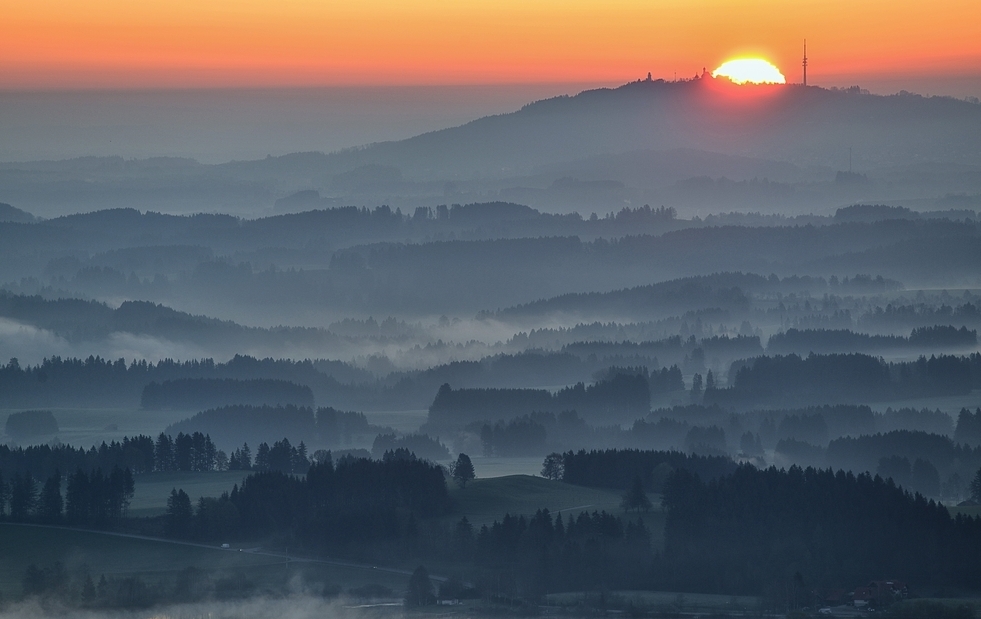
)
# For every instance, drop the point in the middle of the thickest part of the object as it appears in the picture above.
(139, 454)
(238, 424)
(838, 377)
(620, 398)
(329, 508)
(92, 499)
(823, 341)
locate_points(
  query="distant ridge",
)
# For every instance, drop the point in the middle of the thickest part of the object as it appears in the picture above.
(811, 125)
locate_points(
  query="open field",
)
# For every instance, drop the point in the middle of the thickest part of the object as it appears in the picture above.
(159, 560)
(495, 466)
(153, 489)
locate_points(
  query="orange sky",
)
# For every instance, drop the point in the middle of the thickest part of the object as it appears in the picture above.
(180, 43)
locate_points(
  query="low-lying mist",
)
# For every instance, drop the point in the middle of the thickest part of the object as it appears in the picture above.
(294, 606)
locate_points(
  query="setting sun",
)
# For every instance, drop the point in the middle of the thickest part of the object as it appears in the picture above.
(750, 70)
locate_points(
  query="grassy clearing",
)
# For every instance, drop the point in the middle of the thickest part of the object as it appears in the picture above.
(494, 466)
(153, 489)
(160, 561)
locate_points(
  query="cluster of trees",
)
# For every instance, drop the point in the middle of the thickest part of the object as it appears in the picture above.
(139, 454)
(620, 398)
(899, 317)
(95, 381)
(28, 424)
(840, 377)
(338, 508)
(94, 498)
(282, 457)
(203, 393)
(186, 452)
(690, 353)
(752, 530)
(238, 424)
(522, 436)
(42, 461)
(422, 445)
(864, 453)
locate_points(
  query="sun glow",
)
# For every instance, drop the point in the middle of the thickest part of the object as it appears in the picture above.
(750, 70)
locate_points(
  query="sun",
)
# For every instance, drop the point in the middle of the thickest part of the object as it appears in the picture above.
(750, 70)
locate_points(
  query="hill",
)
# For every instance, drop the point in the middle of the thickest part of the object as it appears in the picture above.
(628, 141)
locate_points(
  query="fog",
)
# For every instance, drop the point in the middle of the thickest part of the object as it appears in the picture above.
(295, 606)
(220, 125)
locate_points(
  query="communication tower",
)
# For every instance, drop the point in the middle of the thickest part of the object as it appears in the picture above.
(805, 62)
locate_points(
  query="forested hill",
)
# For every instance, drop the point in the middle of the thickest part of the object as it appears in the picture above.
(780, 122)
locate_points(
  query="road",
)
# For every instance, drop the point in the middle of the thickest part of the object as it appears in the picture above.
(259, 551)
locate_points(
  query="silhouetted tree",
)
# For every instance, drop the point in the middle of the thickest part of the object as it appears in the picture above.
(463, 470)
(554, 467)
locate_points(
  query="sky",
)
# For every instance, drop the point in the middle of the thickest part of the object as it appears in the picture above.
(241, 79)
(63, 44)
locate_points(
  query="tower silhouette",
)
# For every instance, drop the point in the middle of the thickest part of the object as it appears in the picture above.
(805, 62)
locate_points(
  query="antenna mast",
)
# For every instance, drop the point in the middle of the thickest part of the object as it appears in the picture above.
(805, 62)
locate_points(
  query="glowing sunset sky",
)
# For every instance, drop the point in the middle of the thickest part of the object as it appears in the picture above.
(165, 43)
